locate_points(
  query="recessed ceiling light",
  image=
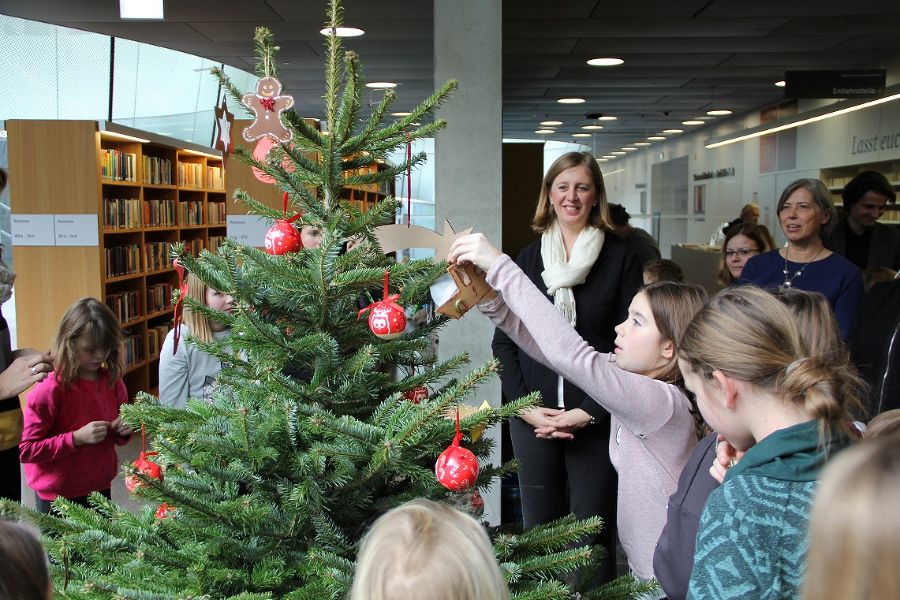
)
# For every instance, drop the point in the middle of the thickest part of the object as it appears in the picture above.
(571, 100)
(629, 148)
(618, 152)
(692, 122)
(141, 9)
(656, 137)
(581, 135)
(605, 62)
(608, 156)
(720, 112)
(606, 118)
(642, 143)
(381, 85)
(544, 131)
(592, 127)
(343, 31)
(598, 160)
(673, 131)
(780, 83)
(400, 114)
(551, 123)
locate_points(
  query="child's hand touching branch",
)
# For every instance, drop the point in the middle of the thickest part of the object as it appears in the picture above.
(92, 433)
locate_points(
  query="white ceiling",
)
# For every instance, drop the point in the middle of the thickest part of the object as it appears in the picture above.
(678, 53)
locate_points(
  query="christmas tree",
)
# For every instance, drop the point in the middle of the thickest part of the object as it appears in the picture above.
(310, 434)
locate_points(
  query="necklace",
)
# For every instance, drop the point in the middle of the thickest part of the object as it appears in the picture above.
(788, 278)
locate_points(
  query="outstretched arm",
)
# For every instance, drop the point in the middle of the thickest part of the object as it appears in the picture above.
(525, 314)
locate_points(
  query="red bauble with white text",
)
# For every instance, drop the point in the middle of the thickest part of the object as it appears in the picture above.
(456, 468)
(416, 395)
(147, 468)
(387, 320)
(282, 237)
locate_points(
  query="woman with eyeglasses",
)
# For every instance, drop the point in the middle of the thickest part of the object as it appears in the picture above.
(742, 242)
(805, 213)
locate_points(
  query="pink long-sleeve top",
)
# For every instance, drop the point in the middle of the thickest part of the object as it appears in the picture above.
(651, 431)
(54, 466)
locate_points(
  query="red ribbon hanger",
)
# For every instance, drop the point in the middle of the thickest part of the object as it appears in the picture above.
(179, 304)
(387, 300)
(284, 207)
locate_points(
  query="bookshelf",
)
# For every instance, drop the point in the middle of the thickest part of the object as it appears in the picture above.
(837, 177)
(147, 191)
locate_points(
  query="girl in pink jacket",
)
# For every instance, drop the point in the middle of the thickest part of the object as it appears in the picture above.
(72, 422)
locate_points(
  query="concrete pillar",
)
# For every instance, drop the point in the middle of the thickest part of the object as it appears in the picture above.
(468, 164)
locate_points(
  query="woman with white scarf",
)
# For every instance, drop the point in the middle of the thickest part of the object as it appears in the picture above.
(591, 278)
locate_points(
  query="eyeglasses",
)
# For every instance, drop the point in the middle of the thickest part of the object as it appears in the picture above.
(742, 252)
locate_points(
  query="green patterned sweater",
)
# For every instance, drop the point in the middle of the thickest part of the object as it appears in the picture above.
(753, 538)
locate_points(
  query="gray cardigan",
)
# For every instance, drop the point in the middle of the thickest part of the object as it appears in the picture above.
(189, 373)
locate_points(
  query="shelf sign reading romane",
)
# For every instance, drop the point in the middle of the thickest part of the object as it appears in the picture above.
(54, 230)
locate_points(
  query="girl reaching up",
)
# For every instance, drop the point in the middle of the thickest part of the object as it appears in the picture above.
(652, 429)
(72, 422)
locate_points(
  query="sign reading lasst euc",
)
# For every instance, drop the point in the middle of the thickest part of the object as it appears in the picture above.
(54, 230)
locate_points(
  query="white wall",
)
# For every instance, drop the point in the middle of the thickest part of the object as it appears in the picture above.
(833, 142)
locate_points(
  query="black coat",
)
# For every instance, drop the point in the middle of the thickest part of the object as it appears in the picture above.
(601, 303)
(875, 345)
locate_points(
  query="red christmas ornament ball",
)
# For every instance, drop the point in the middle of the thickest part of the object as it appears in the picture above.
(282, 237)
(456, 468)
(416, 395)
(476, 504)
(166, 510)
(387, 320)
(147, 468)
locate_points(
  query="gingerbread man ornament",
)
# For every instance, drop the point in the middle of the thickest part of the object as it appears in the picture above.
(267, 105)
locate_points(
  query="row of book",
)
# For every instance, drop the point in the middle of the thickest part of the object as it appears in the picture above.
(157, 255)
(159, 213)
(215, 213)
(194, 246)
(121, 213)
(157, 171)
(127, 213)
(125, 305)
(134, 350)
(215, 178)
(159, 297)
(123, 260)
(190, 175)
(118, 166)
(214, 242)
(190, 213)
(155, 337)
(126, 260)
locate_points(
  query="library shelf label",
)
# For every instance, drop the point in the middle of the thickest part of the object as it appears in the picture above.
(76, 230)
(248, 229)
(32, 230)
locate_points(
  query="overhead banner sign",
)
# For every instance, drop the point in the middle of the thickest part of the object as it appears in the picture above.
(866, 83)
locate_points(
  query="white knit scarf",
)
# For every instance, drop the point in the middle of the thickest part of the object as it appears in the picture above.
(561, 276)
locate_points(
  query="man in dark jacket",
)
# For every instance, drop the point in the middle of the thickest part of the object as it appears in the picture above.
(859, 237)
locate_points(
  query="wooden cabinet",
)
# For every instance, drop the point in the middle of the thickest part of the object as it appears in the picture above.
(148, 192)
(837, 177)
